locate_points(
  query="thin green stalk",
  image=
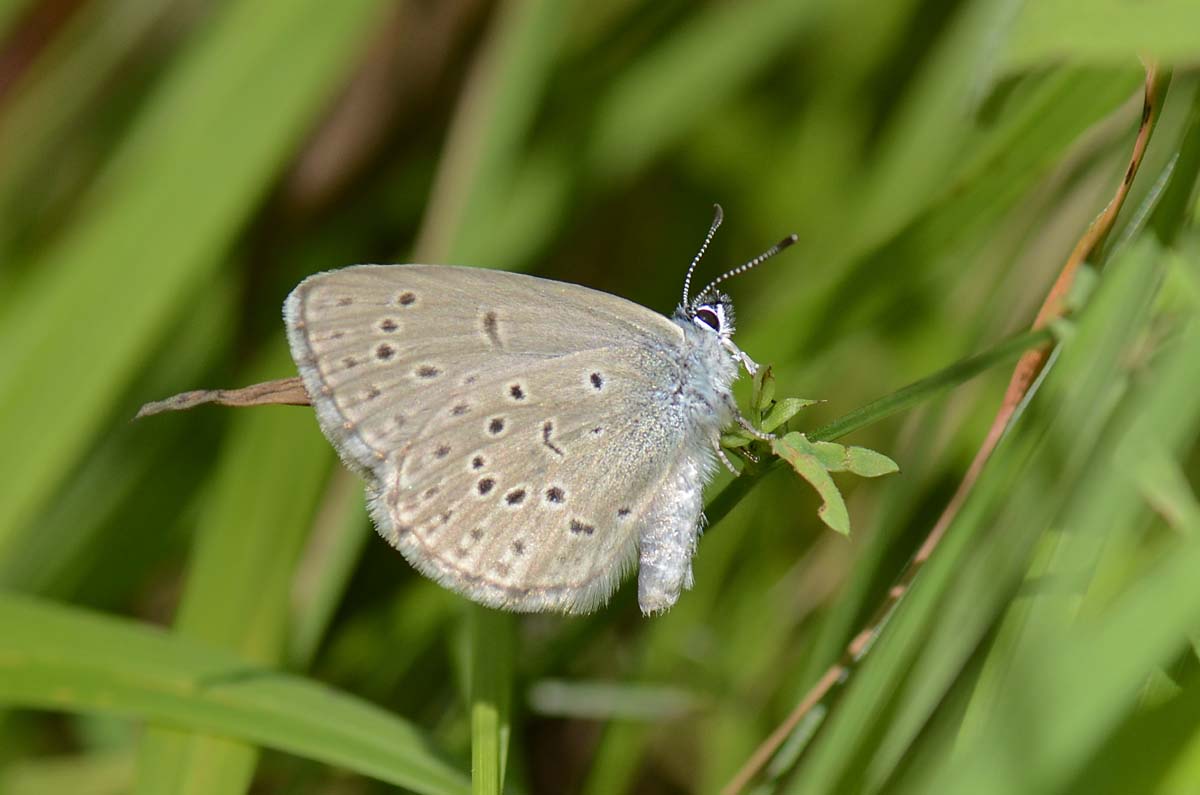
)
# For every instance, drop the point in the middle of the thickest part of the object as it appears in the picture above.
(958, 373)
(491, 646)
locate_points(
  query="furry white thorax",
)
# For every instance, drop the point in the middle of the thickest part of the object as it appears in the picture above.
(710, 365)
(704, 402)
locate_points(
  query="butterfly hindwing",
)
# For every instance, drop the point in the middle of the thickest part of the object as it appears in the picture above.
(529, 504)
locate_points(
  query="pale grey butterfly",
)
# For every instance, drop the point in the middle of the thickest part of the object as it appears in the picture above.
(523, 440)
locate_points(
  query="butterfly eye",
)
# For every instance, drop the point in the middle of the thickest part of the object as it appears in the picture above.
(709, 318)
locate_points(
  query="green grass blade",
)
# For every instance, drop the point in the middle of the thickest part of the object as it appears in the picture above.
(1143, 627)
(201, 156)
(683, 79)
(923, 390)
(57, 551)
(491, 639)
(473, 190)
(971, 575)
(240, 577)
(907, 397)
(44, 115)
(10, 11)
(340, 534)
(1104, 31)
(61, 658)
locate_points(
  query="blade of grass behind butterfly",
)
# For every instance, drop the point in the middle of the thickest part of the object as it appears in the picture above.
(653, 103)
(59, 657)
(1164, 211)
(10, 12)
(1103, 31)
(64, 549)
(1035, 127)
(1056, 711)
(41, 120)
(1010, 495)
(145, 204)
(1075, 554)
(1169, 208)
(340, 532)
(246, 548)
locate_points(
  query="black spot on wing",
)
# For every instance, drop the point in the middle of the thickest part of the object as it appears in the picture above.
(491, 328)
(547, 431)
(579, 528)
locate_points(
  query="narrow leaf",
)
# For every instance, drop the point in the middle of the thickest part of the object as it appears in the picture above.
(869, 463)
(67, 659)
(783, 411)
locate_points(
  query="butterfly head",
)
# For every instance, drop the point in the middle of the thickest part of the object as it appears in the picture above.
(712, 309)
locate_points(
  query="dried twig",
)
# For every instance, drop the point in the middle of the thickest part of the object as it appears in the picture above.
(285, 391)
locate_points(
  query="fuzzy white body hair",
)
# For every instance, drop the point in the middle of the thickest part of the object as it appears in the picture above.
(701, 406)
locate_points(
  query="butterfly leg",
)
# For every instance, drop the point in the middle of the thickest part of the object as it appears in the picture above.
(667, 538)
(743, 357)
(724, 458)
(732, 405)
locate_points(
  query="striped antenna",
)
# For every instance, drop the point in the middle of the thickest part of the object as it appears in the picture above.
(718, 217)
(759, 260)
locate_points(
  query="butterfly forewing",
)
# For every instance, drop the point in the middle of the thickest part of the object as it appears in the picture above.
(510, 435)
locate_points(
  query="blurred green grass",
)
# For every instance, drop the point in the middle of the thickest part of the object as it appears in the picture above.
(168, 171)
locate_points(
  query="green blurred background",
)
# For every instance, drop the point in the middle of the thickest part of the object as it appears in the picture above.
(195, 602)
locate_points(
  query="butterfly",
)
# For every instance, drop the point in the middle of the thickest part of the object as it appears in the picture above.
(524, 441)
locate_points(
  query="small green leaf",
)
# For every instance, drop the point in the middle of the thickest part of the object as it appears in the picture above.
(832, 456)
(859, 460)
(764, 390)
(783, 411)
(798, 452)
(869, 463)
